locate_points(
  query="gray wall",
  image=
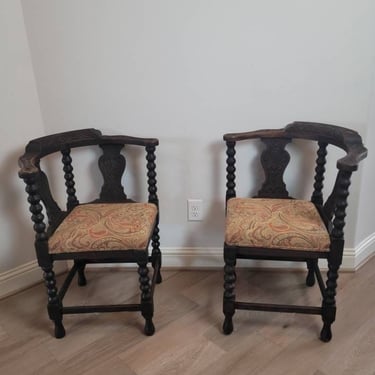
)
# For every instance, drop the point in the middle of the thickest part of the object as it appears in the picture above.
(187, 72)
(20, 119)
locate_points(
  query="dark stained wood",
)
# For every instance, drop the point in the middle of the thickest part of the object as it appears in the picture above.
(229, 287)
(72, 200)
(311, 266)
(153, 198)
(231, 170)
(112, 166)
(274, 160)
(317, 195)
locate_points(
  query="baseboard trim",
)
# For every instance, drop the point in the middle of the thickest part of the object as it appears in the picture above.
(364, 251)
(28, 274)
(24, 276)
(196, 258)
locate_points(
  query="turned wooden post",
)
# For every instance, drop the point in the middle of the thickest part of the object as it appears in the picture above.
(229, 287)
(335, 256)
(231, 170)
(147, 307)
(317, 195)
(54, 305)
(153, 198)
(72, 200)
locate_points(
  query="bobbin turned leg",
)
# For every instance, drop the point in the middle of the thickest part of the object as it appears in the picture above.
(153, 198)
(335, 255)
(147, 307)
(329, 303)
(54, 305)
(229, 285)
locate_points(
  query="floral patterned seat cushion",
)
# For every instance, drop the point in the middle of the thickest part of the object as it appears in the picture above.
(105, 226)
(275, 224)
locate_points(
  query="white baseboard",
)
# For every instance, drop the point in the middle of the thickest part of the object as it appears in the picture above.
(28, 274)
(364, 251)
(23, 277)
(187, 258)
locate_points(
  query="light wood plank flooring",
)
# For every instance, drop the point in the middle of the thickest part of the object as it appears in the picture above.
(188, 338)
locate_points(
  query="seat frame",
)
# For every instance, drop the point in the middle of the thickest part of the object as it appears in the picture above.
(274, 160)
(112, 166)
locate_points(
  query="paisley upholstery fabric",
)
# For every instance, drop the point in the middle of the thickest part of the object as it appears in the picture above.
(276, 224)
(105, 226)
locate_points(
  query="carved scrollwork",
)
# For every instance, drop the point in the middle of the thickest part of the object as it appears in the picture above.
(112, 166)
(274, 160)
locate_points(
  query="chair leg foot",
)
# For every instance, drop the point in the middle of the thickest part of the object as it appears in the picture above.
(82, 280)
(59, 330)
(326, 333)
(228, 325)
(159, 279)
(149, 329)
(310, 279)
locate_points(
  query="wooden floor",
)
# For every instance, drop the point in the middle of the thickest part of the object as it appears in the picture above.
(188, 338)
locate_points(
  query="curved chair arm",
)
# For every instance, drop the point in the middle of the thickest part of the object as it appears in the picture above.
(265, 133)
(39, 147)
(127, 140)
(348, 140)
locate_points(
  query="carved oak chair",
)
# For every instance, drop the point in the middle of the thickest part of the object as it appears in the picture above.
(274, 226)
(110, 229)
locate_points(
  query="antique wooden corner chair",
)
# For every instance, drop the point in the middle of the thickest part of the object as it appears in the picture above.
(274, 226)
(110, 229)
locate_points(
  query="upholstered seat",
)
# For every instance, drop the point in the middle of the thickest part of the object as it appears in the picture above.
(105, 227)
(275, 224)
